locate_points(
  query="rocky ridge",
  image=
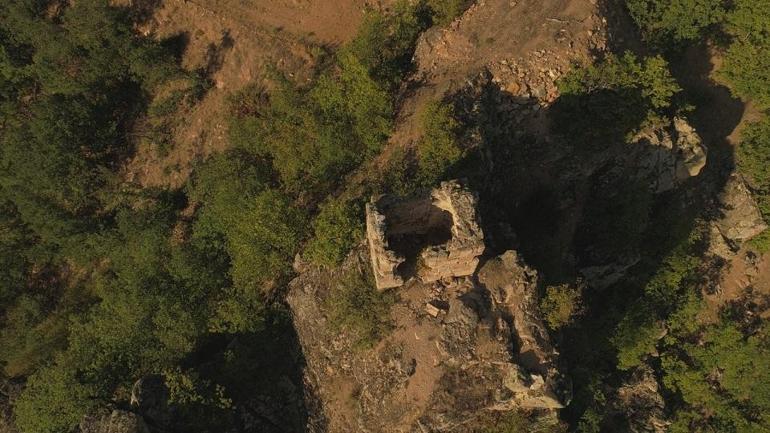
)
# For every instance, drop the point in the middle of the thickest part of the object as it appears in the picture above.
(463, 349)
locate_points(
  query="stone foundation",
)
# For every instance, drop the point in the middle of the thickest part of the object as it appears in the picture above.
(431, 237)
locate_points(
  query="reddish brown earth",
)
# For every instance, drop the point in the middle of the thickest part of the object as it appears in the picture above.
(246, 37)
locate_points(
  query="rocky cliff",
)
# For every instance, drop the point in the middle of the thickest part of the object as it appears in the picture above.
(460, 351)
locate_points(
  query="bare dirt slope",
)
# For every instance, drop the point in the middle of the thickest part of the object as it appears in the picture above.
(233, 41)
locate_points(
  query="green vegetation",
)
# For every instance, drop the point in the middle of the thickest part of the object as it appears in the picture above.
(666, 22)
(753, 159)
(438, 150)
(62, 396)
(337, 228)
(747, 60)
(102, 283)
(618, 96)
(655, 312)
(734, 360)
(560, 304)
(357, 307)
(385, 43)
(444, 12)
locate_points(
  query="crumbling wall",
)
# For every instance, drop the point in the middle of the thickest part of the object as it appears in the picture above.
(418, 222)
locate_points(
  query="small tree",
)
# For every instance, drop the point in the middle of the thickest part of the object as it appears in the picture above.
(561, 304)
(664, 22)
(337, 228)
(439, 149)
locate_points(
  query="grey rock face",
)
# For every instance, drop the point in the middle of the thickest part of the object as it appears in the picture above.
(116, 421)
(669, 155)
(741, 219)
(640, 402)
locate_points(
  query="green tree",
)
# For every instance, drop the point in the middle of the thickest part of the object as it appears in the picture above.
(385, 43)
(617, 96)
(444, 12)
(337, 228)
(747, 60)
(723, 381)
(439, 149)
(675, 21)
(54, 401)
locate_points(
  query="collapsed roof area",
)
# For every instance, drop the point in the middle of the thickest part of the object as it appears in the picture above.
(431, 236)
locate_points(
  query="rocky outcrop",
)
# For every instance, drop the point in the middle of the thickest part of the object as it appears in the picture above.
(461, 349)
(741, 219)
(116, 421)
(738, 220)
(433, 236)
(603, 276)
(535, 380)
(640, 402)
(667, 156)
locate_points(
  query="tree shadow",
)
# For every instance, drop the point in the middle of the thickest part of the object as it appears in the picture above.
(141, 11)
(577, 196)
(622, 33)
(262, 374)
(216, 54)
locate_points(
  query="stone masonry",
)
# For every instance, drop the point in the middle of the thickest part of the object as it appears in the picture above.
(432, 236)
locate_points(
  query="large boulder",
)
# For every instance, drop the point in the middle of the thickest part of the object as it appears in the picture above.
(741, 219)
(666, 156)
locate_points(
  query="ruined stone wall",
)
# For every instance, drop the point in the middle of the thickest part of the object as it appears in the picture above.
(450, 204)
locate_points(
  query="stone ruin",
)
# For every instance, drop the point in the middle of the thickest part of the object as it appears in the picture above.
(430, 236)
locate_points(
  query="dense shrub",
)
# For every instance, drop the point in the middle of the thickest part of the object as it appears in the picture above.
(560, 304)
(313, 136)
(664, 22)
(337, 228)
(385, 42)
(54, 401)
(722, 379)
(356, 306)
(444, 12)
(666, 292)
(256, 227)
(439, 149)
(617, 97)
(747, 60)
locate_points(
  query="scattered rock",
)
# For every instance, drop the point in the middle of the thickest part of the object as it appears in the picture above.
(432, 309)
